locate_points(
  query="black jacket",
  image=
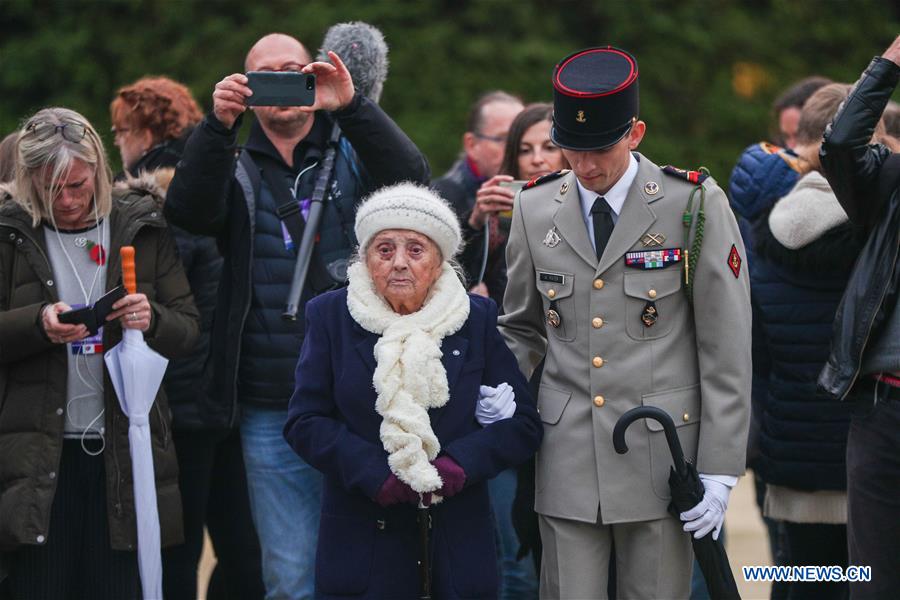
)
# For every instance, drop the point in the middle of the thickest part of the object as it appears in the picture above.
(187, 376)
(458, 187)
(206, 197)
(865, 179)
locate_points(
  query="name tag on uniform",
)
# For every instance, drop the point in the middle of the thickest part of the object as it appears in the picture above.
(552, 278)
(653, 259)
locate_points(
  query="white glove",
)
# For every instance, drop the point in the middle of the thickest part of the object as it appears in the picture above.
(709, 514)
(495, 404)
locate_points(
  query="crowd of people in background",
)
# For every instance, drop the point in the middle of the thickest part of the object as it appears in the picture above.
(308, 448)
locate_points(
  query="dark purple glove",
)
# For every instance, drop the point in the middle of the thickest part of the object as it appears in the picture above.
(451, 474)
(394, 491)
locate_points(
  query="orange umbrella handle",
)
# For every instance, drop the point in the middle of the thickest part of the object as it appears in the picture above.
(128, 276)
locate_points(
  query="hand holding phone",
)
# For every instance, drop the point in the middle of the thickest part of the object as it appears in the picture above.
(514, 186)
(493, 197)
(93, 317)
(229, 98)
(60, 333)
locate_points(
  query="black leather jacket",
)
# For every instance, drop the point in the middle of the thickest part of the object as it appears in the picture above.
(865, 178)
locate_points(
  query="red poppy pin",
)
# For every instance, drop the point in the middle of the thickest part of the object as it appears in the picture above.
(97, 252)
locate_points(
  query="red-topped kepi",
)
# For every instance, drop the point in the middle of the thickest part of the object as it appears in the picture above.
(595, 98)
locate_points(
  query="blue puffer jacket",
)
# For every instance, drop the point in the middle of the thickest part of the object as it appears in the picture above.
(763, 174)
(795, 292)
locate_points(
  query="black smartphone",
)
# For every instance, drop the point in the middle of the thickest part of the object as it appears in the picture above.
(93, 317)
(281, 88)
(77, 316)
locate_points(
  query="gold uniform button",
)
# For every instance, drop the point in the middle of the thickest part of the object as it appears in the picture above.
(596, 322)
(685, 417)
(652, 293)
(599, 401)
(551, 293)
(597, 362)
(598, 284)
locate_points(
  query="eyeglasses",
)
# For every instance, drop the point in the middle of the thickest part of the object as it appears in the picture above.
(73, 132)
(500, 139)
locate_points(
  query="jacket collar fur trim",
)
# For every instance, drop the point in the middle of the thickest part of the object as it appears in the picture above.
(806, 213)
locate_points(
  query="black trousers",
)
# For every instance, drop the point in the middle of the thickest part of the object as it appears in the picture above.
(214, 494)
(76, 560)
(873, 491)
(817, 544)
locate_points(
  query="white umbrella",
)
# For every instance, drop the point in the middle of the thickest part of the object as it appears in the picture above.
(136, 372)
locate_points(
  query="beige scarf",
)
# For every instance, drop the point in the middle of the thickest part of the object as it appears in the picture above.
(409, 377)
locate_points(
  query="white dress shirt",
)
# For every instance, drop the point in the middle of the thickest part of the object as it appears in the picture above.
(615, 197)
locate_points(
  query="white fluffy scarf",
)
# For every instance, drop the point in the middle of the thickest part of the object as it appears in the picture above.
(409, 377)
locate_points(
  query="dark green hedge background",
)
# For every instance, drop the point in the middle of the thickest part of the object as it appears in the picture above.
(709, 69)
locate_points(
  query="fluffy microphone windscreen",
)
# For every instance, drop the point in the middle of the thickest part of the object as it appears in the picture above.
(365, 53)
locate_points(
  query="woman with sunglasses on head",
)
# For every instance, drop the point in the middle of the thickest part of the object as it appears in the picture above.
(68, 520)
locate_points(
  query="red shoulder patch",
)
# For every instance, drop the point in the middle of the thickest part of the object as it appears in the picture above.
(544, 179)
(734, 261)
(696, 177)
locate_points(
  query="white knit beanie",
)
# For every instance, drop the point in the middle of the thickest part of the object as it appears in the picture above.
(413, 207)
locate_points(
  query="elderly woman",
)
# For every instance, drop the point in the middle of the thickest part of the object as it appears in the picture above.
(68, 518)
(405, 392)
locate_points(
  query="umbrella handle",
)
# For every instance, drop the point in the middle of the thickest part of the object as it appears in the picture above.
(129, 278)
(661, 417)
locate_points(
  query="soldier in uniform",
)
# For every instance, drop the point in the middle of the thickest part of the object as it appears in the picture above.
(630, 308)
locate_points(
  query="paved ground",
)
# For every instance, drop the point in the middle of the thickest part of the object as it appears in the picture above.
(746, 544)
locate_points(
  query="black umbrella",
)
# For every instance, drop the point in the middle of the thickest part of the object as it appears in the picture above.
(687, 492)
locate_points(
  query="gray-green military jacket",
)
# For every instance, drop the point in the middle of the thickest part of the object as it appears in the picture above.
(602, 359)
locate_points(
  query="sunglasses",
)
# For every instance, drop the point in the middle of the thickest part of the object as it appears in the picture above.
(73, 132)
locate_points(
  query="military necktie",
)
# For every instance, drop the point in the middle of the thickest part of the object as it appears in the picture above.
(603, 224)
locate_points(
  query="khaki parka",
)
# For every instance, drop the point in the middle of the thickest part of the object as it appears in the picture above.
(33, 372)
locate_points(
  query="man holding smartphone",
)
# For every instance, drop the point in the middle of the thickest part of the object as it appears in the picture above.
(240, 197)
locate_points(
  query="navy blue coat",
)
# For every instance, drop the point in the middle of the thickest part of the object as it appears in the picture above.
(367, 551)
(803, 433)
(764, 173)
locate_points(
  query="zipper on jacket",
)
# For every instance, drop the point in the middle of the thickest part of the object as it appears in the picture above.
(869, 329)
(162, 423)
(115, 453)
